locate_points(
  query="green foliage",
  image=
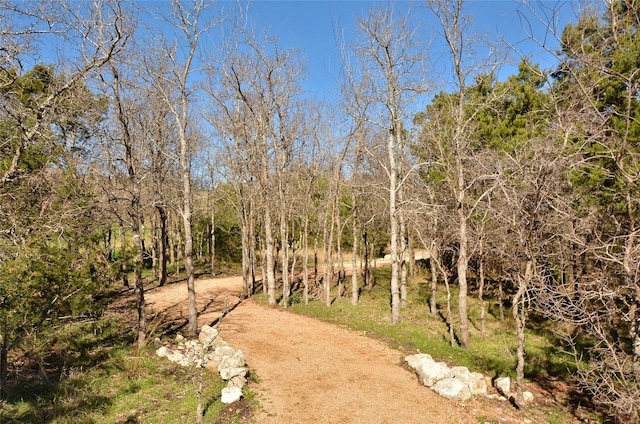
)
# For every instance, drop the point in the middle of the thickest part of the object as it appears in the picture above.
(52, 263)
(45, 119)
(597, 87)
(519, 110)
(500, 116)
(601, 59)
(44, 282)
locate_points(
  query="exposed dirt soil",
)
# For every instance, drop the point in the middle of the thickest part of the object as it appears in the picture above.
(308, 371)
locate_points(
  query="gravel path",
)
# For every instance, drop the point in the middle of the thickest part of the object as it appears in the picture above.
(309, 371)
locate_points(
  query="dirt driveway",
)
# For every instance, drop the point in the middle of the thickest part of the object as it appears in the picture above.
(309, 371)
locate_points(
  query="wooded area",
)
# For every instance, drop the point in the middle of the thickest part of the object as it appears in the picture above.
(128, 150)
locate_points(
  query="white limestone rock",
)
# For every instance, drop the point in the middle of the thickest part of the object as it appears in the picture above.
(210, 351)
(172, 355)
(427, 369)
(192, 344)
(223, 352)
(162, 352)
(230, 394)
(237, 381)
(207, 335)
(503, 385)
(452, 388)
(461, 373)
(235, 360)
(229, 373)
(219, 342)
(477, 384)
(430, 374)
(416, 361)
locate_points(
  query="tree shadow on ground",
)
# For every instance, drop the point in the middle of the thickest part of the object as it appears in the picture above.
(54, 386)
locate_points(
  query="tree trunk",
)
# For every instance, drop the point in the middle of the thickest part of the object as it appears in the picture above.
(412, 257)
(393, 230)
(501, 300)
(155, 248)
(519, 316)
(188, 257)
(631, 273)
(481, 287)
(268, 234)
(404, 252)
(172, 246)
(341, 271)
(163, 244)
(252, 250)
(315, 260)
(452, 336)
(212, 240)
(433, 301)
(244, 232)
(354, 256)
(136, 210)
(294, 258)
(188, 237)
(328, 269)
(463, 262)
(305, 263)
(140, 303)
(138, 265)
(481, 297)
(335, 219)
(366, 273)
(124, 271)
(284, 238)
(263, 268)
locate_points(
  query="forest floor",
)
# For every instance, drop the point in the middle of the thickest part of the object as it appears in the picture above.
(309, 371)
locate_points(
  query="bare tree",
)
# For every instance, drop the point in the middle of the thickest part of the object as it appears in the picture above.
(264, 122)
(455, 149)
(531, 180)
(124, 109)
(391, 55)
(174, 81)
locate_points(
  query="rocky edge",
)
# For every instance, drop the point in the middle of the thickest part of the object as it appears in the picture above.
(212, 352)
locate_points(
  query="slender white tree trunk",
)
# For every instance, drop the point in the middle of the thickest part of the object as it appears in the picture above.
(433, 301)
(483, 308)
(188, 248)
(452, 337)
(519, 316)
(284, 238)
(354, 255)
(463, 261)
(394, 228)
(271, 278)
(404, 255)
(305, 260)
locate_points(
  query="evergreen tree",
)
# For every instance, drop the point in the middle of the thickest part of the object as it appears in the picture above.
(51, 264)
(598, 85)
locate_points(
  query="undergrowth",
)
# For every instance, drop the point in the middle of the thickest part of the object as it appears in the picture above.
(95, 375)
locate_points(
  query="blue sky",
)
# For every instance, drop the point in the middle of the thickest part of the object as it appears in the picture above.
(310, 26)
